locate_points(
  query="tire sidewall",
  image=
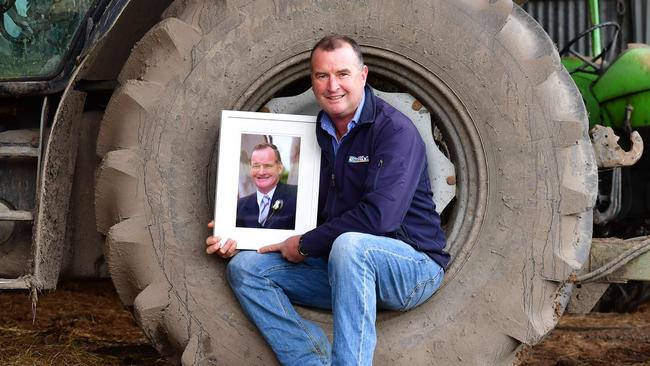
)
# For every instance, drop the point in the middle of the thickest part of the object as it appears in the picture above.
(511, 175)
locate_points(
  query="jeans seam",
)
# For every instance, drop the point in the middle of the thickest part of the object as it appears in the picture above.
(395, 254)
(365, 305)
(273, 269)
(319, 351)
(418, 287)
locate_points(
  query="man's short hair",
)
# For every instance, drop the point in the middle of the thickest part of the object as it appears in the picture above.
(334, 41)
(265, 145)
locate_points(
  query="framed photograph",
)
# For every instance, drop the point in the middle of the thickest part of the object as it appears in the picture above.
(267, 183)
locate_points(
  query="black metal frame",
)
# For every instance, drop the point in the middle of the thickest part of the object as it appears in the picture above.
(99, 19)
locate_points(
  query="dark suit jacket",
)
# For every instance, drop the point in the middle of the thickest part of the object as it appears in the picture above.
(285, 218)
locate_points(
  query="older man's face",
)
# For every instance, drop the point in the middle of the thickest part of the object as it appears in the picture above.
(337, 81)
(265, 170)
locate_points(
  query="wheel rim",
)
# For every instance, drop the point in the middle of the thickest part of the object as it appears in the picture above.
(448, 113)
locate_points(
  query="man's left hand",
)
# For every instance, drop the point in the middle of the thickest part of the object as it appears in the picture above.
(288, 249)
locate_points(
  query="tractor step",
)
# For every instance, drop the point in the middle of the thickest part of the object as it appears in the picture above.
(21, 151)
(19, 144)
(18, 152)
(20, 283)
(15, 215)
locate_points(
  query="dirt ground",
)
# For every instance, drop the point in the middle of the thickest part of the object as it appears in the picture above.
(83, 323)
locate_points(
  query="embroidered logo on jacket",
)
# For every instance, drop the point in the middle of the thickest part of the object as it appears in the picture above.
(358, 159)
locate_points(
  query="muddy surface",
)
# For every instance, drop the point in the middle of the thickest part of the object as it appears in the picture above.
(83, 323)
(596, 339)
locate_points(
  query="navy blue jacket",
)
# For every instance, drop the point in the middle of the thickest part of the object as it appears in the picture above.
(248, 210)
(377, 184)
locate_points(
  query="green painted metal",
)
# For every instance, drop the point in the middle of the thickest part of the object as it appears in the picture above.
(594, 13)
(625, 82)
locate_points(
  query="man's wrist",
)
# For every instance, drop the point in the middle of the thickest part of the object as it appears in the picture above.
(301, 249)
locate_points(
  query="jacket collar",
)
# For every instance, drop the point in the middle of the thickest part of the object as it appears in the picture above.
(369, 110)
(367, 116)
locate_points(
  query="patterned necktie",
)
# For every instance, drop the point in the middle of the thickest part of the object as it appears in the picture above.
(264, 210)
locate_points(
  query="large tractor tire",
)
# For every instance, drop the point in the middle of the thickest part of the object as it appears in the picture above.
(512, 121)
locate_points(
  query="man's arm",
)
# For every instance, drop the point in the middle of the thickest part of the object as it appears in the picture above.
(288, 249)
(400, 160)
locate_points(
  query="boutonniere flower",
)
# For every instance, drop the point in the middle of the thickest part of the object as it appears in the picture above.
(277, 205)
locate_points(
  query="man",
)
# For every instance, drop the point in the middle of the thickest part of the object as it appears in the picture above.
(273, 205)
(378, 243)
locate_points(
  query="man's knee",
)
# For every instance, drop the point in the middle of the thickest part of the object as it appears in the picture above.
(248, 264)
(349, 243)
(347, 250)
(240, 267)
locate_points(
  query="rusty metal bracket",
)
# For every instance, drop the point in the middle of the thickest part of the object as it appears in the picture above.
(609, 154)
(615, 260)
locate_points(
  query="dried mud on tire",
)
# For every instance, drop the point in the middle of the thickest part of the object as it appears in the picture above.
(519, 227)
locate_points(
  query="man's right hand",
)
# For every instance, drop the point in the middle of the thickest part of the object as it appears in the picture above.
(213, 244)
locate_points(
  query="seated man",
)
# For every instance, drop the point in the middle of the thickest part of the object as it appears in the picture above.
(378, 243)
(273, 206)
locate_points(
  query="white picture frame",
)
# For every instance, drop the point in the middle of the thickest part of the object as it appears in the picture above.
(234, 125)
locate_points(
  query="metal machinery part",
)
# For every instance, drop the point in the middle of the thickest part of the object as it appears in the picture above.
(609, 154)
(613, 261)
(623, 84)
(609, 259)
(616, 93)
(6, 227)
(441, 169)
(613, 199)
(39, 41)
(593, 63)
(19, 151)
(44, 243)
(617, 96)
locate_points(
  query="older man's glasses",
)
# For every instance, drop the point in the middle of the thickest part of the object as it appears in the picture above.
(258, 167)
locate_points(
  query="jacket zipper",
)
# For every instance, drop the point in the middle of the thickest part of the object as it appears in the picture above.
(380, 165)
(332, 195)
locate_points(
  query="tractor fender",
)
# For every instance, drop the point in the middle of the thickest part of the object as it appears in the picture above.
(65, 239)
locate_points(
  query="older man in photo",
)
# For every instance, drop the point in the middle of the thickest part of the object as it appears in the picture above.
(273, 205)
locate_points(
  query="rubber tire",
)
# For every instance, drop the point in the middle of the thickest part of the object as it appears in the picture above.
(521, 225)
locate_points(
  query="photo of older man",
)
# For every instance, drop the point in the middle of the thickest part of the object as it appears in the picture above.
(273, 204)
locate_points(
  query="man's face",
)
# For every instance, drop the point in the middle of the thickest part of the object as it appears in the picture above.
(265, 171)
(337, 80)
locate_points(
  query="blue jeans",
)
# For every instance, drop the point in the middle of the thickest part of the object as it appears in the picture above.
(364, 272)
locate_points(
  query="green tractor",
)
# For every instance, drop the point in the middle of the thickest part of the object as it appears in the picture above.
(616, 91)
(109, 122)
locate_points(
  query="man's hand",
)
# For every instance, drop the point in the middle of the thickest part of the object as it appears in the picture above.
(213, 244)
(288, 249)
